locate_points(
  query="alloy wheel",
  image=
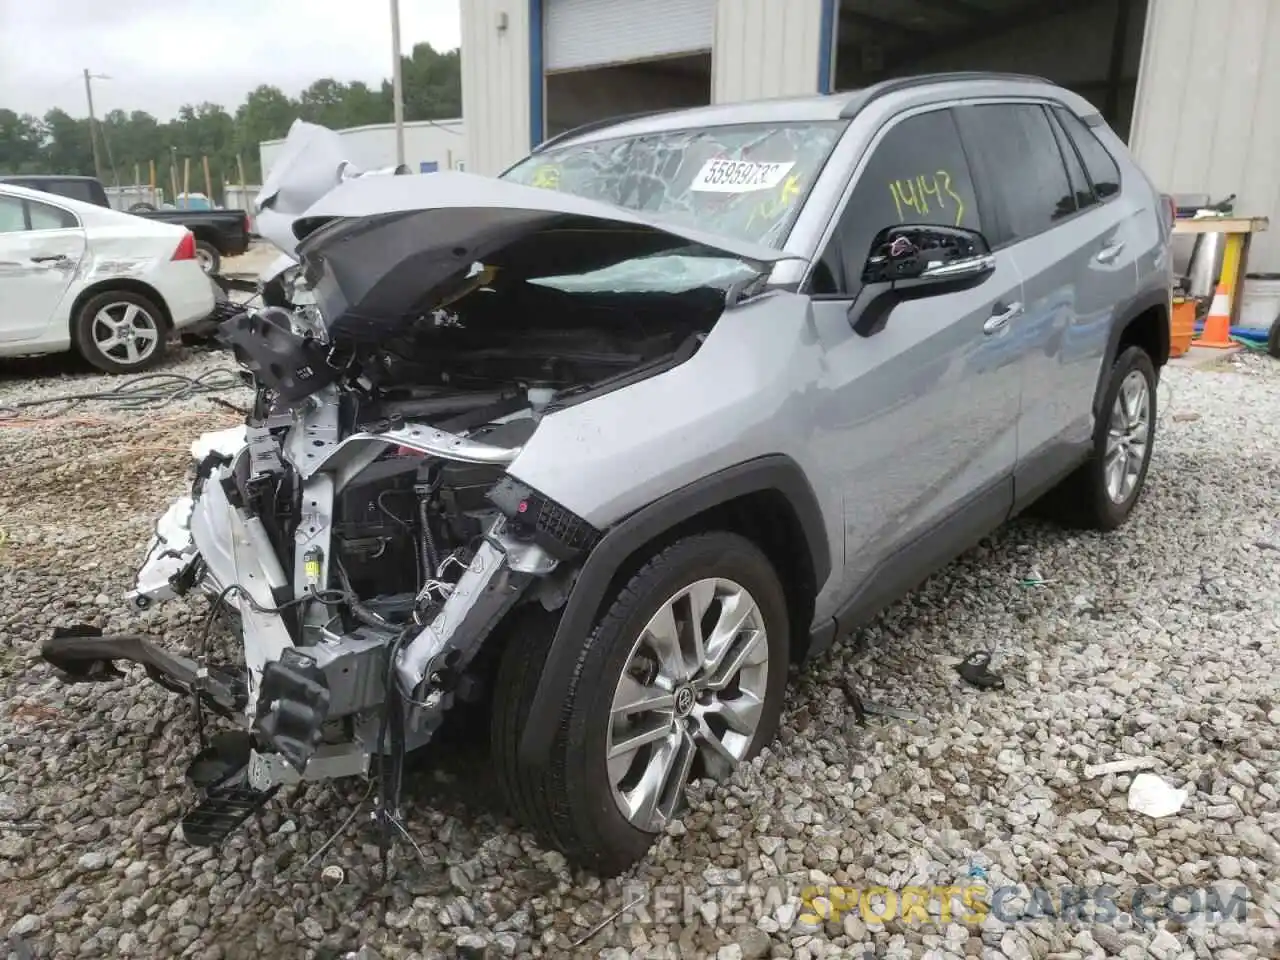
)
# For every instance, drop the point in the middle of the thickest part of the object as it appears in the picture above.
(125, 332)
(1128, 437)
(689, 701)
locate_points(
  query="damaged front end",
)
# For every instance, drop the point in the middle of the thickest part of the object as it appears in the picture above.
(364, 565)
(366, 530)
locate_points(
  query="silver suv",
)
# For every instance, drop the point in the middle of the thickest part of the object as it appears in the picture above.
(607, 444)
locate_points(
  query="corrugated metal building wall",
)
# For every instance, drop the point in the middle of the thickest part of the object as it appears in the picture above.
(1208, 114)
(766, 48)
(762, 48)
(496, 81)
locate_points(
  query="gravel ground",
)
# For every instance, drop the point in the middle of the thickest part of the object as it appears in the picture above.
(1157, 643)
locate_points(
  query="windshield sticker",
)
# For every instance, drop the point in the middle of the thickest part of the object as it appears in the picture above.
(739, 176)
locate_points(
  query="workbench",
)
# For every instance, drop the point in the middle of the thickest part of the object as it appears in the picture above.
(1235, 258)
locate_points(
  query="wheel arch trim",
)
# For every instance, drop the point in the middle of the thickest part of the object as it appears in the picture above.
(1153, 299)
(775, 472)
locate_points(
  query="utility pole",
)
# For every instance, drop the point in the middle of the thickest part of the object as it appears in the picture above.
(397, 81)
(93, 139)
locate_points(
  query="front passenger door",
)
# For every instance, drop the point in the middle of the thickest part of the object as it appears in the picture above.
(919, 416)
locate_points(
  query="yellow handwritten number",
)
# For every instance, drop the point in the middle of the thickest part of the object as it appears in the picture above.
(946, 185)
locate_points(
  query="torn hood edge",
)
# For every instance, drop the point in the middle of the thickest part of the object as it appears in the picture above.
(312, 160)
(355, 200)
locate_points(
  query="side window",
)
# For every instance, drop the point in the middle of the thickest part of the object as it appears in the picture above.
(1024, 164)
(917, 173)
(1102, 168)
(11, 218)
(1075, 170)
(74, 189)
(45, 217)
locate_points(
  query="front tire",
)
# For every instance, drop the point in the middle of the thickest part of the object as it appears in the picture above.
(1103, 491)
(120, 332)
(683, 677)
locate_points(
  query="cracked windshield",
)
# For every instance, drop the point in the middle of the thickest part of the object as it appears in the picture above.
(746, 182)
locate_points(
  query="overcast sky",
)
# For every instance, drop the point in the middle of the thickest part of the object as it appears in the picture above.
(161, 54)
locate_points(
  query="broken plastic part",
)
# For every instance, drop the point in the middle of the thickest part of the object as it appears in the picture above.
(292, 707)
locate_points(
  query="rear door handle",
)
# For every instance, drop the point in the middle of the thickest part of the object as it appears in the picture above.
(1109, 253)
(998, 321)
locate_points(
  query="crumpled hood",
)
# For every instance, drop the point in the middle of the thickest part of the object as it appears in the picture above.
(312, 161)
(383, 246)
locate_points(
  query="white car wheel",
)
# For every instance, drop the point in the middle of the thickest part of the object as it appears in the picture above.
(121, 332)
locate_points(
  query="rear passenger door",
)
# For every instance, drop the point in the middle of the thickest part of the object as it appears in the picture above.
(919, 417)
(1077, 269)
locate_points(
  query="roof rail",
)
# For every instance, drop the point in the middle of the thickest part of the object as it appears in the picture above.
(886, 87)
(593, 125)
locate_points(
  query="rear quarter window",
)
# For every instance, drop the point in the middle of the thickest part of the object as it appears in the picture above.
(46, 217)
(1102, 168)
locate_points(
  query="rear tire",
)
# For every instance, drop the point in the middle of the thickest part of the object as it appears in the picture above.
(576, 800)
(208, 256)
(133, 319)
(1090, 497)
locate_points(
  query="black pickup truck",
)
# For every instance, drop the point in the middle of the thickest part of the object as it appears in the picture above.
(218, 233)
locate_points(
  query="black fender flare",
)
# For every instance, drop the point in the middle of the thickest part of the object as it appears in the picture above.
(775, 472)
(1155, 298)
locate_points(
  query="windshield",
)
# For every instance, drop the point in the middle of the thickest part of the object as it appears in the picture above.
(746, 181)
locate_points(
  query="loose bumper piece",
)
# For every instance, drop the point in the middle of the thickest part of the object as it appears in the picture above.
(83, 655)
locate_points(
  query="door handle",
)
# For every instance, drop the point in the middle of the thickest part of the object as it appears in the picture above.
(57, 261)
(1109, 253)
(998, 321)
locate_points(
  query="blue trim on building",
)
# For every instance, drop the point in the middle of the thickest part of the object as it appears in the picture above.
(537, 82)
(826, 44)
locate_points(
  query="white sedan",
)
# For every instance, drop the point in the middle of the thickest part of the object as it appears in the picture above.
(107, 284)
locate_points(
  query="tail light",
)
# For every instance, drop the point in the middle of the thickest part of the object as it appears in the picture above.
(186, 247)
(1170, 209)
(248, 227)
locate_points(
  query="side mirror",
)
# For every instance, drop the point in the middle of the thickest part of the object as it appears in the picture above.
(911, 261)
(920, 255)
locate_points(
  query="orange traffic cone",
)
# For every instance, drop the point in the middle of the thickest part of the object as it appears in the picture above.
(1217, 326)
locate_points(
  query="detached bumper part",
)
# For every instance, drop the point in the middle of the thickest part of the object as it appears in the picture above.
(292, 707)
(83, 655)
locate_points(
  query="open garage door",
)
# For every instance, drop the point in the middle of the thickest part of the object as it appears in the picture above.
(1092, 47)
(607, 58)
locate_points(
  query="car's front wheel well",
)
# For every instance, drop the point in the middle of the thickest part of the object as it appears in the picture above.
(767, 519)
(119, 283)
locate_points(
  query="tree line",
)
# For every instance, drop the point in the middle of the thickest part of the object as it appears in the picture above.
(129, 141)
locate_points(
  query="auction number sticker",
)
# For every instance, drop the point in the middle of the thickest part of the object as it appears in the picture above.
(739, 176)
